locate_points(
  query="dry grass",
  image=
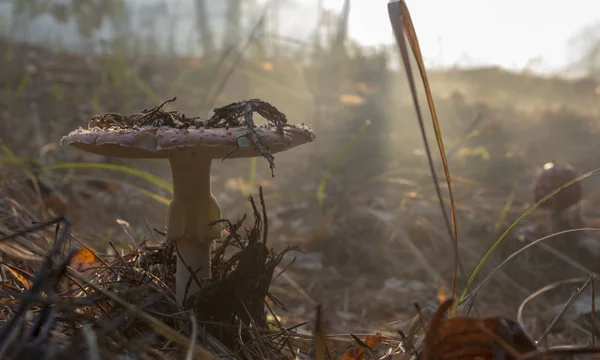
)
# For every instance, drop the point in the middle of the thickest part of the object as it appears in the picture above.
(62, 298)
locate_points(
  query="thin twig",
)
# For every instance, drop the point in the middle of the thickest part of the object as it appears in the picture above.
(34, 228)
(513, 255)
(264, 212)
(190, 352)
(567, 306)
(92, 343)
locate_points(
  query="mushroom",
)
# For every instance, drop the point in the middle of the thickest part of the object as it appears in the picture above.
(551, 177)
(190, 152)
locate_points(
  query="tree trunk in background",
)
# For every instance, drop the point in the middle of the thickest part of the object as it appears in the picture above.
(122, 28)
(274, 27)
(233, 23)
(260, 46)
(342, 26)
(318, 41)
(206, 37)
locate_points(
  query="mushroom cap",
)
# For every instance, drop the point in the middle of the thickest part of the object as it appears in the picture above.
(551, 177)
(151, 142)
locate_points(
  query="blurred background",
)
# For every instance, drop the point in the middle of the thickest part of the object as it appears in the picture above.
(516, 85)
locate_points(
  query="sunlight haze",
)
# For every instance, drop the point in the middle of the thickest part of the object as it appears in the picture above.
(470, 32)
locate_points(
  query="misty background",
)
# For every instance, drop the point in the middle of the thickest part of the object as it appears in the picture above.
(546, 37)
(515, 84)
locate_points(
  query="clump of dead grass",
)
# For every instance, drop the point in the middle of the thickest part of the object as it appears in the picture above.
(61, 298)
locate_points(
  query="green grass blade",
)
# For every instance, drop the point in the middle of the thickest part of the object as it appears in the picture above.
(155, 180)
(338, 160)
(8, 153)
(404, 30)
(23, 84)
(506, 209)
(145, 88)
(514, 224)
(151, 194)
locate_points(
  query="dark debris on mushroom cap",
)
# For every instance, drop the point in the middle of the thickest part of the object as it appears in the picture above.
(155, 133)
(551, 177)
(159, 118)
(232, 115)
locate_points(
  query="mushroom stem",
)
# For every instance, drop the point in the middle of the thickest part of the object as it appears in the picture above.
(192, 208)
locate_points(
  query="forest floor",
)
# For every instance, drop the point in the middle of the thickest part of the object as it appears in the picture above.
(359, 200)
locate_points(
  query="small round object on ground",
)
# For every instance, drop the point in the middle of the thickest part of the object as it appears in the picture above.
(551, 177)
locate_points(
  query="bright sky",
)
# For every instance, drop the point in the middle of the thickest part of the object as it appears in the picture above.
(502, 32)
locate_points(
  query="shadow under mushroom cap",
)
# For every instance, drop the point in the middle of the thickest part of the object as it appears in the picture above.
(162, 142)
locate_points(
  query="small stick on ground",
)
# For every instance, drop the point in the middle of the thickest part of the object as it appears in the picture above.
(572, 299)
